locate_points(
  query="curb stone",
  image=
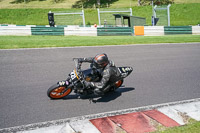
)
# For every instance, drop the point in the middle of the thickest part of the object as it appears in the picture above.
(179, 112)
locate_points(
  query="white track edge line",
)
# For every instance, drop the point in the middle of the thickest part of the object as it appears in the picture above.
(92, 116)
(47, 48)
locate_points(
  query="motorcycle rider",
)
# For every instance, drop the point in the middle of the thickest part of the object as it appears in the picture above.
(106, 68)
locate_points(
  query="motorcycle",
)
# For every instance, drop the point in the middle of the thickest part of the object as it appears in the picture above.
(75, 82)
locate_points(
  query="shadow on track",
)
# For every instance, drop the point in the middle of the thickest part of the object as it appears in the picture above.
(113, 95)
(106, 98)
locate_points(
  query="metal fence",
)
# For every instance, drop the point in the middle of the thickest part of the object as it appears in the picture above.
(105, 16)
(69, 18)
(163, 13)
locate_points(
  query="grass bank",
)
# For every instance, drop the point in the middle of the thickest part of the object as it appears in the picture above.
(68, 4)
(189, 128)
(181, 14)
(14, 42)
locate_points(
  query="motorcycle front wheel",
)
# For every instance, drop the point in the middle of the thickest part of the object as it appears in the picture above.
(58, 92)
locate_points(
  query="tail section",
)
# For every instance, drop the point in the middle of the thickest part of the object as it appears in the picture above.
(125, 71)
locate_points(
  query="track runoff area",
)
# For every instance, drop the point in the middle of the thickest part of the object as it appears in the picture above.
(141, 119)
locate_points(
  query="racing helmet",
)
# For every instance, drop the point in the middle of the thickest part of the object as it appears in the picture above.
(101, 60)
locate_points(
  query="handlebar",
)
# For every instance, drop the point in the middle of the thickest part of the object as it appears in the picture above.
(76, 62)
(79, 71)
(78, 68)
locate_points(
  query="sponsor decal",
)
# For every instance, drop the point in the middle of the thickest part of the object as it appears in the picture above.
(73, 75)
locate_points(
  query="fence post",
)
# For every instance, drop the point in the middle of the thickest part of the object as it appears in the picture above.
(168, 13)
(131, 12)
(99, 17)
(83, 18)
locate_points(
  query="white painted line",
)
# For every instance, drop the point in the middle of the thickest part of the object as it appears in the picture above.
(100, 115)
(52, 129)
(84, 126)
(128, 45)
(191, 109)
(67, 129)
(173, 114)
(188, 109)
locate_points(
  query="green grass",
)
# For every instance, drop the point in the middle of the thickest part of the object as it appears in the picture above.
(185, 14)
(181, 14)
(190, 128)
(69, 3)
(12, 42)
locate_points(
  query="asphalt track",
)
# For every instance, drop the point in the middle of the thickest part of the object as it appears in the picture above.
(162, 73)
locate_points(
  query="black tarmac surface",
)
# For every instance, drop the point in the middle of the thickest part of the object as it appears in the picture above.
(162, 73)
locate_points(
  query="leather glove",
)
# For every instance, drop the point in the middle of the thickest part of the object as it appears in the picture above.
(87, 84)
(80, 60)
(98, 92)
(78, 67)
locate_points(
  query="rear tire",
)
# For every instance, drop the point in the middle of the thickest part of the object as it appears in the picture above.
(58, 92)
(116, 85)
(119, 83)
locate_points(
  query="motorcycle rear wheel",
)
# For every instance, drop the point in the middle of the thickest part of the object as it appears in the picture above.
(119, 83)
(58, 92)
(116, 85)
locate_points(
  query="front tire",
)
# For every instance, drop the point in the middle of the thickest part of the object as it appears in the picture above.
(58, 92)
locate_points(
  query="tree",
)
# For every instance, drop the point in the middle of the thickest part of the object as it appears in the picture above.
(98, 2)
(93, 3)
(139, 2)
(19, 1)
(27, 1)
(56, 1)
(155, 2)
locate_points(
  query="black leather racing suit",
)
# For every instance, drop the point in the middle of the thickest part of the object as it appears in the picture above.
(110, 74)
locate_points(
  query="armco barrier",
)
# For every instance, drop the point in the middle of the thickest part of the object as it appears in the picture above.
(178, 30)
(114, 31)
(80, 31)
(154, 30)
(196, 30)
(15, 30)
(47, 30)
(25, 30)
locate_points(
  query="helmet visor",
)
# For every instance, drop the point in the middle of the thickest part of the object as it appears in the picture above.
(99, 65)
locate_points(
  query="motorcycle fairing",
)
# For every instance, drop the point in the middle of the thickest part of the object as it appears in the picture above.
(90, 75)
(125, 71)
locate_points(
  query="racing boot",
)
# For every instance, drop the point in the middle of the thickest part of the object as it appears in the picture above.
(98, 92)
